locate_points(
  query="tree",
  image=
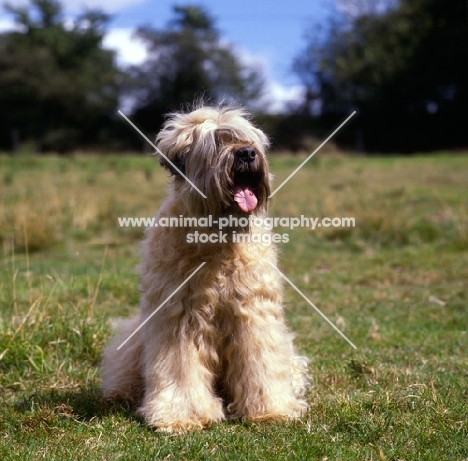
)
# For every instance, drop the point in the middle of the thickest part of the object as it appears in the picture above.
(57, 84)
(188, 60)
(404, 70)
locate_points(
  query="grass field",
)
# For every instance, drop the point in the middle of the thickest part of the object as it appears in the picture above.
(396, 285)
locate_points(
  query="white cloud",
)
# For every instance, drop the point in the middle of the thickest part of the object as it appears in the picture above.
(278, 98)
(7, 25)
(281, 98)
(355, 8)
(74, 6)
(110, 6)
(129, 49)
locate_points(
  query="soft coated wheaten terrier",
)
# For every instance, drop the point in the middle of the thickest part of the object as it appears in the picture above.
(219, 346)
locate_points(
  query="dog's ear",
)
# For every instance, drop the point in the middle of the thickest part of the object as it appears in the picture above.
(176, 161)
(174, 141)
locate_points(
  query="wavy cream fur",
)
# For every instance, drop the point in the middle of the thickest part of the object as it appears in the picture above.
(220, 347)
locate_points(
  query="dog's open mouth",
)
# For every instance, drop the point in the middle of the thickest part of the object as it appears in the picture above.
(247, 179)
(246, 190)
(245, 197)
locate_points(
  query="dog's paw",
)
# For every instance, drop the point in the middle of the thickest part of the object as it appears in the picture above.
(167, 416)
(182, 426)
(282, 408)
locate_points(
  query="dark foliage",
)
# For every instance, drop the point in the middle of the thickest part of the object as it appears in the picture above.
(404, 71)
(58, 87)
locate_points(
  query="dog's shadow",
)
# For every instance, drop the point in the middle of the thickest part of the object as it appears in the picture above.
(87, 406)
(82, 405)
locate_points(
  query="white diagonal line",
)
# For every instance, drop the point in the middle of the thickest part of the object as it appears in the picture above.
(308, 158)
(164, 302)
(312, 304)
(160, 153)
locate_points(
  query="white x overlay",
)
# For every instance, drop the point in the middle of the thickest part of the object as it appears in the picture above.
(203, 263)
(312, 304)
(309, 157)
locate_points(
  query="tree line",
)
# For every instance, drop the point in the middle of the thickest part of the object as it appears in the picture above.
(403, 70)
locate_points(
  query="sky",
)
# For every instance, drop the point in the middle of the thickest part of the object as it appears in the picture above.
(263, 31)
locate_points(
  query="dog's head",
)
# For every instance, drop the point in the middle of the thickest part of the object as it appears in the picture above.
(222, 154)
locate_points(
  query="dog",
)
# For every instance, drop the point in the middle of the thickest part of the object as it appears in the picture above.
(218, 347)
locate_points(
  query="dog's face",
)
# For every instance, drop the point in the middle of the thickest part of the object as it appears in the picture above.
(223, 154)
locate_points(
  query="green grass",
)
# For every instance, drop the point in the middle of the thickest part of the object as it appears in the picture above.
(396, 284)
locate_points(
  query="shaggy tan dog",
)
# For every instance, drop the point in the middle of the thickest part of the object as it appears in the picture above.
(219, 346)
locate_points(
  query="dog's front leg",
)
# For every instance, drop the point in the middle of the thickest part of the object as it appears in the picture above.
(178, 383)
(259, 376)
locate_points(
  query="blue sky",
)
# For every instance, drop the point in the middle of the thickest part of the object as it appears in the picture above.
(264, 31)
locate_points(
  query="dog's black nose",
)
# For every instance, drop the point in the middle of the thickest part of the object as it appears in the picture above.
(246, 154)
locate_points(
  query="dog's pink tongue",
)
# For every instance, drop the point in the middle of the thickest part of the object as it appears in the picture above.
(245, 198)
